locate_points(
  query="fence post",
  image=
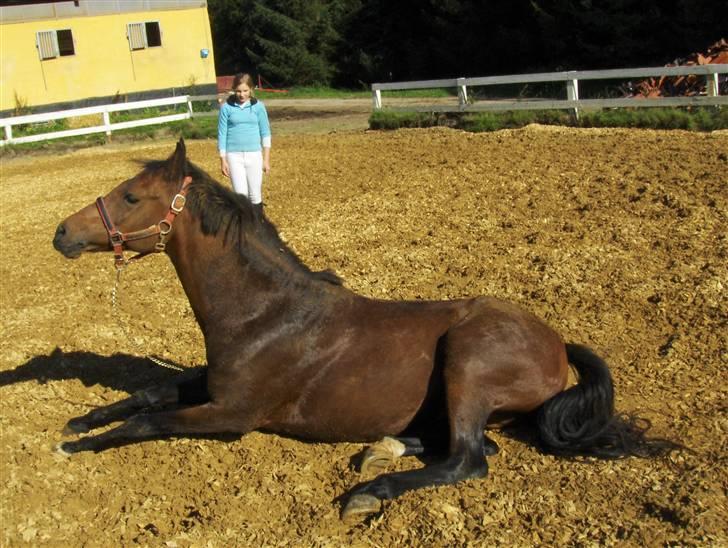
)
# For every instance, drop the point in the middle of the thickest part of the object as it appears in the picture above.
(8, 132)
(107, 122)
(462, 93)
(377, 98)
(572, 93)
(189, 107)
(711, 85)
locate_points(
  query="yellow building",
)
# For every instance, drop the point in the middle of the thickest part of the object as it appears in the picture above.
(84, 52)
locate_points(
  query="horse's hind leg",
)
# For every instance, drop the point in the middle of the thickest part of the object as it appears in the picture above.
(464, 461)
(186, 389)
(383, 454)
(467, 418)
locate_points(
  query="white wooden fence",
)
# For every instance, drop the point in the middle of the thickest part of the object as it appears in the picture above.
(571, 79)
(464, 102)
(107, 126)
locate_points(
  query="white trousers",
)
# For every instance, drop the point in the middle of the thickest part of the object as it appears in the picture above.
(246, 173)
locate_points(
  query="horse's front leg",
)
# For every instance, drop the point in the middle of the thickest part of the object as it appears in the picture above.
(209, 418)
(186, 389)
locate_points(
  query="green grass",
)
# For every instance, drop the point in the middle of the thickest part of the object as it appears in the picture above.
(197, 128)
(313, 93)
(24, 130)
(394, 120)
(701, 119)
(330, 93)
(695, 119)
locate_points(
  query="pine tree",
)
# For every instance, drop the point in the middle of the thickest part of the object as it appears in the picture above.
(293, 41)
(231, 34)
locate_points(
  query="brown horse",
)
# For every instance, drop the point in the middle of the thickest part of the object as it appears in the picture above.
(294, 352)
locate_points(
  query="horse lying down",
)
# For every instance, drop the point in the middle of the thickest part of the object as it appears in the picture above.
(294, 352)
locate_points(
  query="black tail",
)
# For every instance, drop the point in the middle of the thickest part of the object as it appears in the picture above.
(581, 419)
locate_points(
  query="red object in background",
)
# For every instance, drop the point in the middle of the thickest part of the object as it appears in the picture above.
(269, 88)
(224, 84)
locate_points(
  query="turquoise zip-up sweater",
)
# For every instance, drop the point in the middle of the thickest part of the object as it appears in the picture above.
(242, 128)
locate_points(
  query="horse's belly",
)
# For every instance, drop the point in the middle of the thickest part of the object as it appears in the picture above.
(357, 407)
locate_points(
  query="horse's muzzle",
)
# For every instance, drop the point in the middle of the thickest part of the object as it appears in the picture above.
(69, 249)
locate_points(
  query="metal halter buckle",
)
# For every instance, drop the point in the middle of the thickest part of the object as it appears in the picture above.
(178, 208)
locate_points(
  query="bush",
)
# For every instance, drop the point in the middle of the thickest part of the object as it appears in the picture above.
(693, 119)
(198, 128)
(696, 119)
(389, 119)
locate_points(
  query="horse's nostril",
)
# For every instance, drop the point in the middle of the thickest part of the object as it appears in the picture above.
(60, 231)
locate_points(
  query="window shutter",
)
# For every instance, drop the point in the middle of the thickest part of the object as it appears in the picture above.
(136, 35)
(47, 44)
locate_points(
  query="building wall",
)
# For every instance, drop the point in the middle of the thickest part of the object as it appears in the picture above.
(103, 64)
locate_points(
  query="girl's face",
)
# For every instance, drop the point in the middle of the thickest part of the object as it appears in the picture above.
(242, 93)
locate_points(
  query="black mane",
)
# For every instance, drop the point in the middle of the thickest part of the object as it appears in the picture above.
(222, 211)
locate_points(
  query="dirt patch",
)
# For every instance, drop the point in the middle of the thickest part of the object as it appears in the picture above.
(296, 122)
(615, 237)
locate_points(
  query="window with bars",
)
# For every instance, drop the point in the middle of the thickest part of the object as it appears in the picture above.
(144, 35)
(54, 43)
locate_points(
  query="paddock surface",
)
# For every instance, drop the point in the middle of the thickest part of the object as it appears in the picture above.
(617, 238)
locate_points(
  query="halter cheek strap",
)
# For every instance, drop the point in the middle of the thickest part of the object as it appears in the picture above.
(161, 229)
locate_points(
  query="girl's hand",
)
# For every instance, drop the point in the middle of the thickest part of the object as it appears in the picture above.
(224, 167)
(266, 166)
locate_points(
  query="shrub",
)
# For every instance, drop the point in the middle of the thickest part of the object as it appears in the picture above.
(693, 119)
(389, 119)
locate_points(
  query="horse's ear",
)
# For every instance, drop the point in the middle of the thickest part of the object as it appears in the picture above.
(176, 163)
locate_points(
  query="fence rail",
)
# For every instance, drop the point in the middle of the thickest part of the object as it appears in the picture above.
(105, 110)
(571, 80)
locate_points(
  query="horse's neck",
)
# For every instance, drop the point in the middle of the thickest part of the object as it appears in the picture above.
(219, 281)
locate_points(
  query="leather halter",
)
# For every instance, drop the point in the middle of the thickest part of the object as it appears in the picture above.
(162, 228)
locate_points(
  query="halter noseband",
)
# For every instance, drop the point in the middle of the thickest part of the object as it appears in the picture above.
(162, 228)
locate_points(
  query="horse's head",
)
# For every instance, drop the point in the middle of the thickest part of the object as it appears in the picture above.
(137, 214)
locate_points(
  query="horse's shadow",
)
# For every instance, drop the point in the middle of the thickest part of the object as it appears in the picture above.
(121, 372)
(127, 373)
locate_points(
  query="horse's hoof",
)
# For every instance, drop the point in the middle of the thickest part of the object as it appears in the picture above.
(61, 450)
(375, 461)
(360, 506)
(490, 449)
(381, 456)
(75, 427)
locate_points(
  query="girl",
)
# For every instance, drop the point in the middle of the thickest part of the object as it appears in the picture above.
(244, 139)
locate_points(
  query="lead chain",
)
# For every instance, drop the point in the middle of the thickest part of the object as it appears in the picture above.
(117, 317)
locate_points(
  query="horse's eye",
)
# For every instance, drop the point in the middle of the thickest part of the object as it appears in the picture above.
(130, 198)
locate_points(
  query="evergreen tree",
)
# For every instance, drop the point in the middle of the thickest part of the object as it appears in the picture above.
(353, 43)
(593, 34)
(231, 26)
(293, 41)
